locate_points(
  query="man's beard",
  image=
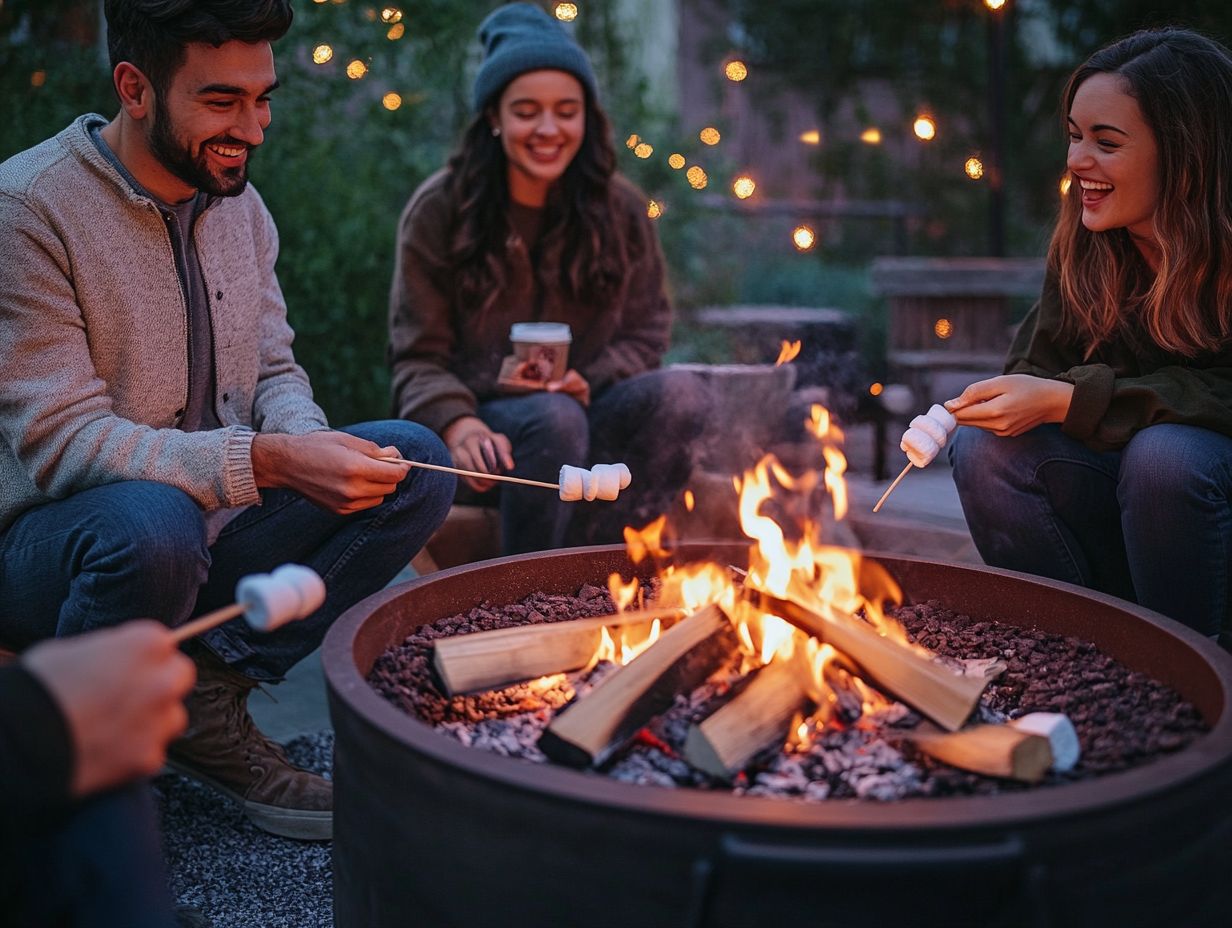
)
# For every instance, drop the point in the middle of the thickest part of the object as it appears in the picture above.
(177, 157)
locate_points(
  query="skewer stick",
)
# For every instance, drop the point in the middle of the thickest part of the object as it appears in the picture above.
(890, 488)
(206, 622)
(475, 473)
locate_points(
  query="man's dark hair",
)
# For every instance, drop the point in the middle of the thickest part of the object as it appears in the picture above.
(152, 34)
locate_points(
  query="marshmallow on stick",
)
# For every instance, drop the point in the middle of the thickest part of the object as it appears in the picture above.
(267, 601)
(603, 481)
(923, 440)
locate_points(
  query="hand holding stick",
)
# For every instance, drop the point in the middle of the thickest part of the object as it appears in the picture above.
(924, 438)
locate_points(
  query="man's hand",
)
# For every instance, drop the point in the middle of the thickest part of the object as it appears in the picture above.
(1012, 403)
(121, 691)
(337, 471)
(573, 384)
(474, 446)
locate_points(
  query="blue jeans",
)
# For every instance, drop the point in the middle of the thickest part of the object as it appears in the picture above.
(100, 865)
(650, 422)
(1149, 523)
(135, 548)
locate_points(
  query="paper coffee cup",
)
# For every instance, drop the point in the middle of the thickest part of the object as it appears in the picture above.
(542, 350)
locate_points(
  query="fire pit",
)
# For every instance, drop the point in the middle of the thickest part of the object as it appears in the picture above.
(431, 831)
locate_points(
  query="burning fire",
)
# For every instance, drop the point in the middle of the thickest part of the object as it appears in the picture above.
(788, 352)
(788, 517)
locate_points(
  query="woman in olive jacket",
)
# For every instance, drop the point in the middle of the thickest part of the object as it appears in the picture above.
(530, 223)
(1103, 455)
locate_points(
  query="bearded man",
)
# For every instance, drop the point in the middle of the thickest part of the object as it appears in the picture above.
(158, 439)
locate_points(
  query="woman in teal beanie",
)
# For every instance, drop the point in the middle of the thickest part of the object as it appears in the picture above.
(529, 222)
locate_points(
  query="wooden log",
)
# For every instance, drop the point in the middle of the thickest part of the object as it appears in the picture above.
(993, 750)
(488, 660)
(758, 717)
(929, 687)
(588, 731)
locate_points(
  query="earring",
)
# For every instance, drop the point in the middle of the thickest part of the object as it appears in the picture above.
(496, 131)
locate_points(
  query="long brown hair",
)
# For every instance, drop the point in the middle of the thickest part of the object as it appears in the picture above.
(1183, 84)
(579, 218)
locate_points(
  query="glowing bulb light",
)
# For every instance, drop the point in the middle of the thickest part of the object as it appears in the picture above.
(396, 31)
(643, 150)
(709, 135)
(974, 168)
(803, 238)
(994, 5)
(356, 69)
(736, 71)
(743, 186)
(676, 161)
(391, 101)
(925, 128)
(322, 54)
(566, 12)
(871, 136)
(811, 137)
(654, 209)
(943, 328)
(697, 178)
(391, 14)
(633, 140)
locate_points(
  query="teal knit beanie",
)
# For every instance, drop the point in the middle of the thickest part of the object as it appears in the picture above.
(520, 37)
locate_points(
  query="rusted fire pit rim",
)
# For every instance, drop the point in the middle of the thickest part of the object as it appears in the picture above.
(1200, 759)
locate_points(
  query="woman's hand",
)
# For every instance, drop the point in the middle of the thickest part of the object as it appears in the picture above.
(574, 384)
(474, 446)
(1012, 403)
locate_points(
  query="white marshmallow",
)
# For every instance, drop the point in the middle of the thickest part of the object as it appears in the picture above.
(272, 600)
(919, 446)
(607, 478)
(1059, 731)
(934, 430)
(944, 417)
(571, 483)
(603, 481)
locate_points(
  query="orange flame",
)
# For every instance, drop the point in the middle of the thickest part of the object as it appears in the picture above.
(788, 352)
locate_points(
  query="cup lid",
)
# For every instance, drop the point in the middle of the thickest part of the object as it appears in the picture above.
(547, 332)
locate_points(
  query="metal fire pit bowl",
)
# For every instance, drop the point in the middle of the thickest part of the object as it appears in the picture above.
(428, 832)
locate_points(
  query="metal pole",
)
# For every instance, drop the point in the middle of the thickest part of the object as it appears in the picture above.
(996, 120)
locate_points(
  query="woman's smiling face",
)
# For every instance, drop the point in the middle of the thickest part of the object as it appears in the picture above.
(1113, 157)
(542, 120)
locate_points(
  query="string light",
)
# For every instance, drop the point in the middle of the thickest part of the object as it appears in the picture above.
(974, 168)
(654, 209)
(709, 135)
(994, 5)
(356, 69)
(676, 160)
(643, 150)
(566, 12)
(396, 31)
(697, 178)
(632, 141)
(736, 71)
(871, 136)
(743, 186)
(38, 78)
(811, 137)
(803, 237)
(943, 328)
(391, 14)
(924, 128)
(391, 101)
(322, 54)
(875, 389)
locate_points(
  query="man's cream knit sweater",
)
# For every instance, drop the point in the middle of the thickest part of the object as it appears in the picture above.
(94, 339)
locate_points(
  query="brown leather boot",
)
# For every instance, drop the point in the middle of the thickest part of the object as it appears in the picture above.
(223, 749)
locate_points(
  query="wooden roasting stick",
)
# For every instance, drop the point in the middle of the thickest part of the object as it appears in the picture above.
(588, 731)
(474, 473)
(946, 697)
(995, 750)
(489, 660)
(758, 717)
